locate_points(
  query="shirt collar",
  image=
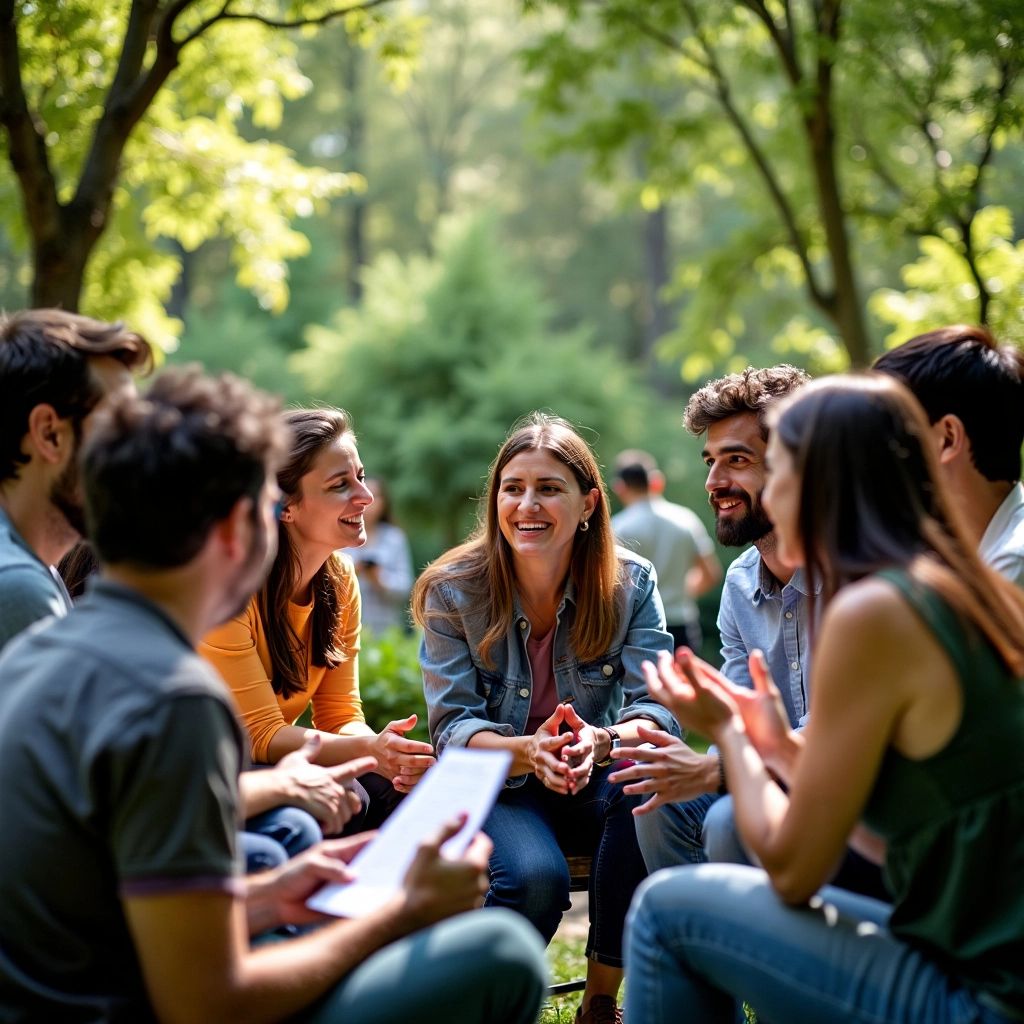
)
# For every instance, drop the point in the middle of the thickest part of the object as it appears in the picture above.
(5, 521)
(768, 585)
(108, 589)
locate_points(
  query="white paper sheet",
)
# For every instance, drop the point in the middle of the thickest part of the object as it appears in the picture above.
(462, 782)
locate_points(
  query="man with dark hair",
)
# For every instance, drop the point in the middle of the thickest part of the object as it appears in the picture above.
(119, 758)
(670, 536)
(764, 606)
(972, 390)
(56, 369)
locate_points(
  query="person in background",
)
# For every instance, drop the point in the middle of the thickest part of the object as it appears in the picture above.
(119, 759)
(296, 643)
(56, 371)
(533, 634)
(972, 390)
(918, 715)
(670, 537)
(383, 564)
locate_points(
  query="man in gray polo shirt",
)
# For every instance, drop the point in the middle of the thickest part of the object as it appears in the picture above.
(56, 368)
(119, 759)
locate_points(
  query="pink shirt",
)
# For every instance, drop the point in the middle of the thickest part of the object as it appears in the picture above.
(545, 693)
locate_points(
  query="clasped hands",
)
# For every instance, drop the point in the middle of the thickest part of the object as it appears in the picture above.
(563, 751)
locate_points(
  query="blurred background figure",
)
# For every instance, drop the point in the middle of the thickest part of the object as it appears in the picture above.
(383, 564)
(670, 536)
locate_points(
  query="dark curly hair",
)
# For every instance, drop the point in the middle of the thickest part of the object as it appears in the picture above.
(750, 391)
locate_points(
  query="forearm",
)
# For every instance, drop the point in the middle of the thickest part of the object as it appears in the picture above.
(522, 748)
(261, 791)
(334, 749)
(759, 803)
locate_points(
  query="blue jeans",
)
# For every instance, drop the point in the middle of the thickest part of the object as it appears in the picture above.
(533, 828)
(703, 939)
(271, 838)
(674, 834)
(486, 965)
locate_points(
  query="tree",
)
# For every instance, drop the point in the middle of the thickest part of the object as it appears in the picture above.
(843, 122)
(104, 104)
(445, 353)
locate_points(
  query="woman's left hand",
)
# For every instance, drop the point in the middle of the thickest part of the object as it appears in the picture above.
(579, 754)
(694, 696)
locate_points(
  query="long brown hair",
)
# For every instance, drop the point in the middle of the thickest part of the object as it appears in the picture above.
(872, 498)
(483, 564)
(312, 430)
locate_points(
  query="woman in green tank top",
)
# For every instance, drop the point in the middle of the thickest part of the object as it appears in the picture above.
(917, 730)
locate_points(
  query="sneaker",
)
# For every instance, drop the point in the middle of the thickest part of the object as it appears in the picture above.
(603, 1010)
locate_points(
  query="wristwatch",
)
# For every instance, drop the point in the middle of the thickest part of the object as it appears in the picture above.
(613, 741)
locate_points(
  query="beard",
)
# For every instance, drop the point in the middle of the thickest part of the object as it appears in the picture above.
(253, 572)
(736, 532)
(66, 496)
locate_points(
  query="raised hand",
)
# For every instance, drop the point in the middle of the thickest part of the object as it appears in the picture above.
(399, 759)
(695, 696)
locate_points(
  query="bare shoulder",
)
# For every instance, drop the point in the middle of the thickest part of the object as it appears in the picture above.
(871, 635)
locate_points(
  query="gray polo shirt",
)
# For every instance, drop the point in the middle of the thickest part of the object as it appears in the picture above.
(119, 760)
(29, 589)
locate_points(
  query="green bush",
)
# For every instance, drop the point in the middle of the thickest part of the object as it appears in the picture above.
(390, 680)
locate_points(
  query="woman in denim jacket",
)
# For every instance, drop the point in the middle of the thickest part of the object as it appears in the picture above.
(534, 633)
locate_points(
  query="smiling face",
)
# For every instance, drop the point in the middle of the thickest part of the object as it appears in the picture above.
(540, 506)
(782, 503)
(327, 512)
(734, 454)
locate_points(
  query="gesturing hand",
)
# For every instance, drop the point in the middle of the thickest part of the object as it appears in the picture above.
(323, 791)
(399, 759)
(695, 696)
(668, 770)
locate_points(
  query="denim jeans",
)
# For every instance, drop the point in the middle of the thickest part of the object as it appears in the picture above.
(486, 965)
(674, 834)
(703, 939)
(271, 838)
(533, 828)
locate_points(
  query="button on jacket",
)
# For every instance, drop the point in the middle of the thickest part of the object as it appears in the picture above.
(465, 697)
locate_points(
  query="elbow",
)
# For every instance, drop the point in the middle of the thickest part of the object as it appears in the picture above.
(792, 885)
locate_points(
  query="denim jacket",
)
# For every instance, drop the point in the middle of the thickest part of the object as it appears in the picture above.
(464, 697)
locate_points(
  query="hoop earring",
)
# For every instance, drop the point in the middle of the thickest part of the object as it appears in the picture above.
(584, 526)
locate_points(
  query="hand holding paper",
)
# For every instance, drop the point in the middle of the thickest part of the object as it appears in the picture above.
(463, 785)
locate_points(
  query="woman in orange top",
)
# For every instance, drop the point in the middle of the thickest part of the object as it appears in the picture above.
(297, 641)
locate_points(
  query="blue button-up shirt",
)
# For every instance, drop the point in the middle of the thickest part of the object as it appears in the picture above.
(465, 696)
(758, 612)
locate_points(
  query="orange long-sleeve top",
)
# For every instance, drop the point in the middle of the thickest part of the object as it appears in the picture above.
(238, 650)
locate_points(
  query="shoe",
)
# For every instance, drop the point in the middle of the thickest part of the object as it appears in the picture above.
(603, 1010)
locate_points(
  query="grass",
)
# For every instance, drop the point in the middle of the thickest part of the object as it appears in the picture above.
(566, 961)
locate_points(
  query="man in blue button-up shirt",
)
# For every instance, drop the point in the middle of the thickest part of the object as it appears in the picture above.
(763, 607)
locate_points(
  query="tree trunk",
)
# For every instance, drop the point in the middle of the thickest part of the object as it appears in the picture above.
(657, 319)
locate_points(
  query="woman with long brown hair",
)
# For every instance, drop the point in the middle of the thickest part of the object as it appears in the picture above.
(296, 644)
(534, 631)
(915, 729)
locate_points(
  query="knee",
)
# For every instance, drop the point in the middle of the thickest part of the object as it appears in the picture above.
(673, 834)
(261, 852)
(510, 949)
(722, 842)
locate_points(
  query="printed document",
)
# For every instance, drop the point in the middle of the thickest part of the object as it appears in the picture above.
(462, 782)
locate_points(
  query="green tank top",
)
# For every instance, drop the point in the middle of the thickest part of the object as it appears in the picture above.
(954, 822)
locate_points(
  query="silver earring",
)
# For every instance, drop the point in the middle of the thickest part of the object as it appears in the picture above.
(584, 526)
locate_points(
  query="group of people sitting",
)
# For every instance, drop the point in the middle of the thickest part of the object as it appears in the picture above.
(882, 591)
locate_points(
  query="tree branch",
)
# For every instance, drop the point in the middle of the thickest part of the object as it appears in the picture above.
(782, 36)
(821, 298)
